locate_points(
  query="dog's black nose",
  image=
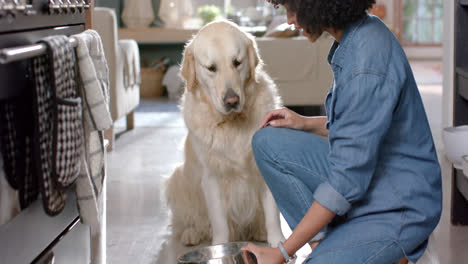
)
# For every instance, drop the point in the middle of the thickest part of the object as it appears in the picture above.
(231, 99)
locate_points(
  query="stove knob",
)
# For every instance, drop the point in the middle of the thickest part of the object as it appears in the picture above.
(2, 12)
(54, 7)
(72, 6)
(7, 10)
(22, 7)
(80, 5)
(64, 6)
(86, 5)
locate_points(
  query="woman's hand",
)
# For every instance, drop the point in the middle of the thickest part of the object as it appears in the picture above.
(264, 255)
(283, 117)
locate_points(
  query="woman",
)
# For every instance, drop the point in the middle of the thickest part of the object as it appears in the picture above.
(371, 192)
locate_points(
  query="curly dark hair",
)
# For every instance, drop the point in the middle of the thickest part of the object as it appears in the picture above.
(316, 15)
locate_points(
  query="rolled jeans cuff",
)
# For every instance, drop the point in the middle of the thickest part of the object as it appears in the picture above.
(328, 197)
(320, 236)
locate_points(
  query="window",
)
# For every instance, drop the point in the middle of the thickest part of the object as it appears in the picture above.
(420, 22)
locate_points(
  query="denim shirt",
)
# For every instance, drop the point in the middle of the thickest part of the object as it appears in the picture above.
(383, 163)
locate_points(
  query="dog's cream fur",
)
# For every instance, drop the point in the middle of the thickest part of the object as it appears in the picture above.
(219, 193)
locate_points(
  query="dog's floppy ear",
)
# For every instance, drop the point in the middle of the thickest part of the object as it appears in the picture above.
(187, 71)
(255, 62)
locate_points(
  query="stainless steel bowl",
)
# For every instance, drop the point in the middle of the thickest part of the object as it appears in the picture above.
(228, 253)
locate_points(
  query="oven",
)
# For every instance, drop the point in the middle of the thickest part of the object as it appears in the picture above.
(34, 236)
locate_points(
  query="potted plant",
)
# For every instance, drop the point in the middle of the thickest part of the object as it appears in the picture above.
(209, 13)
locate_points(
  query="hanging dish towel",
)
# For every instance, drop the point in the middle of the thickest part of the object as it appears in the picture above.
(94, 76)
(94, 85)
(59, 121)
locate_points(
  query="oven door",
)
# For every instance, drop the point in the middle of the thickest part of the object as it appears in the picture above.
(33, 236)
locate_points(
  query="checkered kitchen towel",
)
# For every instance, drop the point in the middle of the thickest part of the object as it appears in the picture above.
(68, 127)
(53, 197)
(59, 121)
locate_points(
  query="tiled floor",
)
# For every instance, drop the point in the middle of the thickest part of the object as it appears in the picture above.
(138, 225)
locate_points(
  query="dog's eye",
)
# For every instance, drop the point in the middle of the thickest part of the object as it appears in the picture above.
(236, 63)
(212, 68)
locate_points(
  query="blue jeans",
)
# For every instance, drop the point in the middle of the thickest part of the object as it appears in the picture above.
(293, 163)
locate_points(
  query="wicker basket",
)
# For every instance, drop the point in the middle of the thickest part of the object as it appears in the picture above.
(151, 79)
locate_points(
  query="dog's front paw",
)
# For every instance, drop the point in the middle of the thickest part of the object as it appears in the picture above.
(190, 237)
(220, 239)
(274, 238)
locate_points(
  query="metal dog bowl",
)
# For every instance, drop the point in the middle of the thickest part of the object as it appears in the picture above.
(228, 253)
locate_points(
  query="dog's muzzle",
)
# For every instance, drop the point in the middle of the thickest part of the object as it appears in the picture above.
(231, 100)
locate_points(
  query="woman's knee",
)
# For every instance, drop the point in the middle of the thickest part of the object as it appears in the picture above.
(276, 141)
(262, 141)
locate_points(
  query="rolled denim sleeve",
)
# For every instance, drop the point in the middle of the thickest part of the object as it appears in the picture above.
(362, 112)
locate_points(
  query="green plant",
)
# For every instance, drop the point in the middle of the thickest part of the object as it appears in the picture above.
(230, 10)
(209, 13)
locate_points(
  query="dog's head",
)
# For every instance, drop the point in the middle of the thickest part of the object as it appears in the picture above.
(221, 60)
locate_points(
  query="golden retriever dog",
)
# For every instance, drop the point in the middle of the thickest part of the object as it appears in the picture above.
(218, 193)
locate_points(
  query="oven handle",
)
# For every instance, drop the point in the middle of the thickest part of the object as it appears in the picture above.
(8, 55)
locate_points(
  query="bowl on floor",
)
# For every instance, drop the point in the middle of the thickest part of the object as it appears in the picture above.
(456, 144)
(228, 253)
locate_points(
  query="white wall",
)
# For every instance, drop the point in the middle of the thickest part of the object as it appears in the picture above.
(448, 61)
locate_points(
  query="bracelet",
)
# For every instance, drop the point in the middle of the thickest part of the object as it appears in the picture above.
(283, 251)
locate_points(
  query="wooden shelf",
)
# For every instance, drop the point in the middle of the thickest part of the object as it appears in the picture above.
(157, 35)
